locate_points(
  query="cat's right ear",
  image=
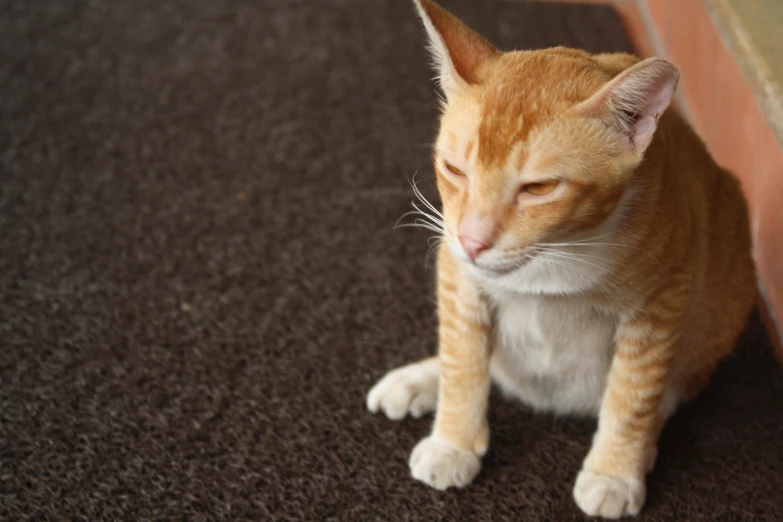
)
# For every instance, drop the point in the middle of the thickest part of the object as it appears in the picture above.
(458, 51)
(634, 100)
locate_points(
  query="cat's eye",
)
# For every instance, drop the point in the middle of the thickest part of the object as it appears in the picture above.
(454, 170)
(541, 188)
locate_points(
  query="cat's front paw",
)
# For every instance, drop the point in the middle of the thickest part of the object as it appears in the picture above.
(411, 389)
(442, 466)
(609, 497)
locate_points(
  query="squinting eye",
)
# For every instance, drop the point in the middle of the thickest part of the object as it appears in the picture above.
(454, 170)
(541, 188)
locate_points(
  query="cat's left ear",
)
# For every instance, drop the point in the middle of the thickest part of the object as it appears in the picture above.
(458, 51)
(634, 100)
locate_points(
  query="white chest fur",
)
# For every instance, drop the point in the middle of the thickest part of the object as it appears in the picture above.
(552, 352)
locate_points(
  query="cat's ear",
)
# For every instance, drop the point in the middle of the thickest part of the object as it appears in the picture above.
(634, 100)
(458, 51)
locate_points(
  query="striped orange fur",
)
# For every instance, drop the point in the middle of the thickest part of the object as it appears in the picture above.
(595, 259)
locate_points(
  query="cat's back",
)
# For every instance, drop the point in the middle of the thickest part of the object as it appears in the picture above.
(729, 288)
(719, 242)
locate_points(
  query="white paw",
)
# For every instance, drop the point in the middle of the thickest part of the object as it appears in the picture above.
(411, 389)
(607, 496)
(442, 466)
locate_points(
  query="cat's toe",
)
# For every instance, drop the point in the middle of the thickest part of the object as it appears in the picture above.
(423, 403)
(411, 389)
(607, 496)
(442, 466)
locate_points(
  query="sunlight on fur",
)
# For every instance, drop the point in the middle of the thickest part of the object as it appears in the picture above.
(592, 258)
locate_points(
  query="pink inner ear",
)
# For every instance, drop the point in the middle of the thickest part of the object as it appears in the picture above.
(661, 98)
(643, 132)
(653, 105)
(646, 125)
(634, 100)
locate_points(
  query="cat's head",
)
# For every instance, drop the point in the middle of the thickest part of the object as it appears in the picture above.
(535, 146)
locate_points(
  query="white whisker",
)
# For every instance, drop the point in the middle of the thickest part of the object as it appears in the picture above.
(555, 261)
(434, 242)
(589, 241)
(572, 257)
(569, 254)
(421, 224)
(578, 244)
(433, 221)
(430, 216)
(421, 197)
(566, 253)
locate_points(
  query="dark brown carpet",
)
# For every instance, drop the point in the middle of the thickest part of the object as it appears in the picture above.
(199, 280)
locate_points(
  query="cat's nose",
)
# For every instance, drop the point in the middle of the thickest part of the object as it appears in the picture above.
(472, 247)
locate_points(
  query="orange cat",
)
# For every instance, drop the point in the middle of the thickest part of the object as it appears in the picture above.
(596, 259)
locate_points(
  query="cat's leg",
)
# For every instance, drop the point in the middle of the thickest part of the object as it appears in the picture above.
(685, 388)
(410, 389)
(634, 408)
(451, 455)
(669, 402)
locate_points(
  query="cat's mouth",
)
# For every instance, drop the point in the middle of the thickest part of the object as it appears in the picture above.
(500, 267)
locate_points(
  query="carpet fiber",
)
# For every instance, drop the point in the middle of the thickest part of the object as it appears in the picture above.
(199, 280)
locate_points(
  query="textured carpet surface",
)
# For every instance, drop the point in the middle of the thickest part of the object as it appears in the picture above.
(199, 280)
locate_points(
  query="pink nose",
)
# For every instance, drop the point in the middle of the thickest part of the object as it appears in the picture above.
(472, 247)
